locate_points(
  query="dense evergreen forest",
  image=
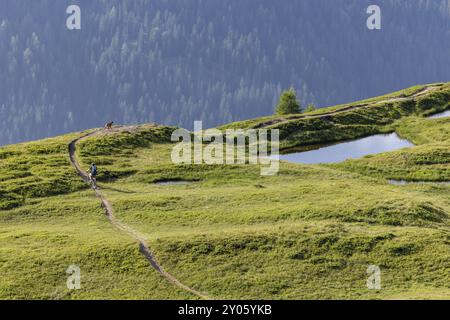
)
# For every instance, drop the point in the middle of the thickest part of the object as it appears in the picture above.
(176, 61)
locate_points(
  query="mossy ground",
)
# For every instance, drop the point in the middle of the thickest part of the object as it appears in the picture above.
(309, 232)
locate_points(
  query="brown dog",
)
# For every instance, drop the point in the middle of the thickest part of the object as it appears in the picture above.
(109, 125)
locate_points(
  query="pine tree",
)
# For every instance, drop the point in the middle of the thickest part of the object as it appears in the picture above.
(288, 103)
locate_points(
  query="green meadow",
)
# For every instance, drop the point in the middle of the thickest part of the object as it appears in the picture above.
(309, 232)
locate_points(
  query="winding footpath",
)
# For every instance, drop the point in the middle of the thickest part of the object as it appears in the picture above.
(144, 248)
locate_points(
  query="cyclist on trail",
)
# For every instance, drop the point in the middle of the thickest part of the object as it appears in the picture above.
(92, 175)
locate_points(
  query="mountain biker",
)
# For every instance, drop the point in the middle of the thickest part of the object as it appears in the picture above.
(92, 175)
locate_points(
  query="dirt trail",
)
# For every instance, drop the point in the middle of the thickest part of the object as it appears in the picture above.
(145, 250)
(421, 92)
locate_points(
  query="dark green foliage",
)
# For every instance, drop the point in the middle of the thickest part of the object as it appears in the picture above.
(288, 103)
(434, 102)
(9, 200)
(357, 123)
(106, 175)
(404, 249)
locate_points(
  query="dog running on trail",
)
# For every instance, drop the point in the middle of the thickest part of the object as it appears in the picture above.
(109, 125)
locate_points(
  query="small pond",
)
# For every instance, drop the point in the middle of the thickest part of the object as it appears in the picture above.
(444, 114)
(349, 150)
(405, 182)
(173, 182)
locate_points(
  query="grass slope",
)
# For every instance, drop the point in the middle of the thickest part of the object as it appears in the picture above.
(42, 234)
(309, 232)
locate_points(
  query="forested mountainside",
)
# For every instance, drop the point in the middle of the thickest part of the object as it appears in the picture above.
(175, 61)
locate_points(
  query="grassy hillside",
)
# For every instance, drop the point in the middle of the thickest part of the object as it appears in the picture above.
(362, 118)
(309, 232)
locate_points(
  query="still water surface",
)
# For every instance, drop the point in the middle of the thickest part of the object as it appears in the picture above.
(444, 114)
(349, 150)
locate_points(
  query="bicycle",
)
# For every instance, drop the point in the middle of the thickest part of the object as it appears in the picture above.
(92, 181)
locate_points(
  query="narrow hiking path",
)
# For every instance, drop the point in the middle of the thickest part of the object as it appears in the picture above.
(144, 248)
(421, 92)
